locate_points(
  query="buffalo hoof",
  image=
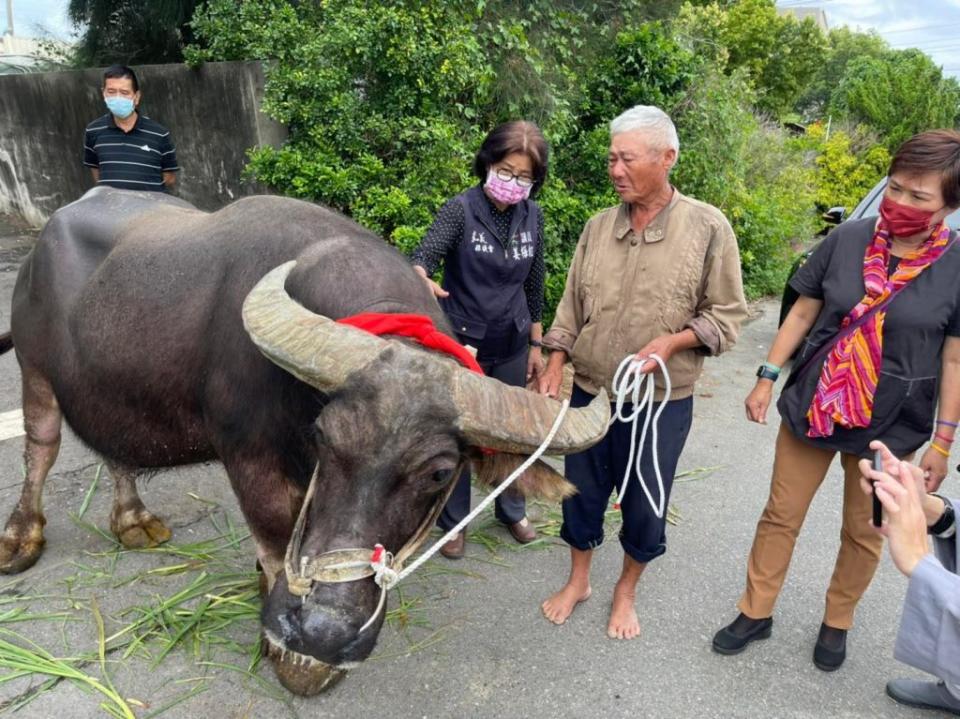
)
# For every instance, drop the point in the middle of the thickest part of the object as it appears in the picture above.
(21, 543)
(300, 674)
(138, 529)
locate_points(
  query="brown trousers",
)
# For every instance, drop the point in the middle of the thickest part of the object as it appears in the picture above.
(798, 471)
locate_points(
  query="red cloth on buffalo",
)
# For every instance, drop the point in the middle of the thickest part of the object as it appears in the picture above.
(416, 327)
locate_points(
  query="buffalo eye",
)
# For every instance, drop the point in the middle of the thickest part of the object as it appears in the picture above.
(442, 476)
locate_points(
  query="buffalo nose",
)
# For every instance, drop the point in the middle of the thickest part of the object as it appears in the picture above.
(325, 631)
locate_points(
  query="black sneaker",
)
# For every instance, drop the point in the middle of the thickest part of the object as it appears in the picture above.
(831, 648)
(735, 637)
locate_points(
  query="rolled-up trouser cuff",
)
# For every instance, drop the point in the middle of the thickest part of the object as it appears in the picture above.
(642, 556)
(581, 544)
(598, 471)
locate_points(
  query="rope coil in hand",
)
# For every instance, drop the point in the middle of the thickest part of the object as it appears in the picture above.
(628, 383)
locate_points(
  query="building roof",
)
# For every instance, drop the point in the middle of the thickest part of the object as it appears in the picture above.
(818, 15)
(25, 54)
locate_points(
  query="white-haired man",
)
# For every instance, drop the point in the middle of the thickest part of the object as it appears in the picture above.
(658, 274)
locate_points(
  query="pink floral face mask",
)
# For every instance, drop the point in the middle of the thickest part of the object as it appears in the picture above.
(509, 192)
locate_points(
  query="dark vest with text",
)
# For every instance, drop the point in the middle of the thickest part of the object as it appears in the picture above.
(484, 275)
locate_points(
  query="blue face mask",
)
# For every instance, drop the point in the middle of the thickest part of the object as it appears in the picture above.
(121, 107)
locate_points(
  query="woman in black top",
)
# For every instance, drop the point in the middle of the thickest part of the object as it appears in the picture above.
(879, 319)
(490, 241)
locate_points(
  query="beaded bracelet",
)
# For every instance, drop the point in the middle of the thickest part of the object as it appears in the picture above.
(948, 423)
(940, 449)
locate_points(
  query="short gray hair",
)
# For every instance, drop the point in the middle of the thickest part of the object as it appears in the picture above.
(651, 120)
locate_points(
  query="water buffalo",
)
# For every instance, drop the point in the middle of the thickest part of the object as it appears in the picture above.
(166, 336)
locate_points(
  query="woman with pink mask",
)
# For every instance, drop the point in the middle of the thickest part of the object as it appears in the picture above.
(879, 323)
(490, 242)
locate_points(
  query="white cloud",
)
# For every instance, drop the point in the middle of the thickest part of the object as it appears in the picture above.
(32, 18)
(931, 25)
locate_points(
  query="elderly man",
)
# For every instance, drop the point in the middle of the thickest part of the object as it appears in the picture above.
(929, 636)
(657, 275)
(125, 148)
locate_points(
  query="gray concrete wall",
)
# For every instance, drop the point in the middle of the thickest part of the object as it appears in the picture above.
(213, 114)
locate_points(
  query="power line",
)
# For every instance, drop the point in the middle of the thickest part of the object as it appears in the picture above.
(805, 3)
(917, 29)
(929, 48)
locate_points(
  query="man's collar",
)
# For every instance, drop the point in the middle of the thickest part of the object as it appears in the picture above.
(622, 224)
(656, 230)
(136, 122)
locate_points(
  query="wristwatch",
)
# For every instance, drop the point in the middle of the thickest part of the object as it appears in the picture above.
(947, 519)
(536, 343)
(766, 372)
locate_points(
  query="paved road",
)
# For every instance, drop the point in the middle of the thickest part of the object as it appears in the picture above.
(473, 642)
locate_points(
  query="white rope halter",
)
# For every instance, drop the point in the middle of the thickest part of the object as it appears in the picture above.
(350, 565)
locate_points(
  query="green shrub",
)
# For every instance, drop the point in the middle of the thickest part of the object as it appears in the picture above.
(386, 109)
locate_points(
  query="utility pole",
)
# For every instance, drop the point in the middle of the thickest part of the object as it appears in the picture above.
(9, 18)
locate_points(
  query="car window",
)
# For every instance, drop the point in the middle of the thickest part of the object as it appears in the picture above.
(870, 206)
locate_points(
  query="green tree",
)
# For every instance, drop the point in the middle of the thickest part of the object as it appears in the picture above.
(779, 53)
(848, 164)
(900, 93)
(843, 46)
(130, 31)
(792, 64)
(386, 109)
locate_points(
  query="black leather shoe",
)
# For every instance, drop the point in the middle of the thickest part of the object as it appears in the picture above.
(831, 648)
(735, 637)
(923, 695)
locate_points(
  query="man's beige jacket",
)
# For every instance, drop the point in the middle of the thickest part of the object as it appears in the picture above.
(625, 289)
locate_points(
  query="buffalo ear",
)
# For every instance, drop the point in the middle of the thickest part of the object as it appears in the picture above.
(539, 480)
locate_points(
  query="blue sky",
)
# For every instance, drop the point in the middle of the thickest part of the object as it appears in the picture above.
(931, 25)
(32, 17)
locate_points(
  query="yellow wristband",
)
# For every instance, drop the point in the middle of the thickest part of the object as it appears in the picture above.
(940, 449)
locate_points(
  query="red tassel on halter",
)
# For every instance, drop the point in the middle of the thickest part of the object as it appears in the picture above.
(377, 554)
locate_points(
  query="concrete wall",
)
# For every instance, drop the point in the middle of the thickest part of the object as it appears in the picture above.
(213, 114)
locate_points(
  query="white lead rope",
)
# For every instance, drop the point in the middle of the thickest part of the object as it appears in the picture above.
(387, 577)
(628, 381)
(486, 501)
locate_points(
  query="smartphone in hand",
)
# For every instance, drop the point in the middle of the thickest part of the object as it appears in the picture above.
(877, 507)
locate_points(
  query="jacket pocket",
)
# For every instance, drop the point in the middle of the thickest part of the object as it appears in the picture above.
(919, 403)
(474, 329)
(586, 304)
(807, 348)
(581, 353)
(522, 324)
(889, 400)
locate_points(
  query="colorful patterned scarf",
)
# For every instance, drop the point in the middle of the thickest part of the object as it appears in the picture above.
(849, 377)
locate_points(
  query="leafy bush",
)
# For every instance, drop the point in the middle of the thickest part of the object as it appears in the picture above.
(386, 109)
(844, 173)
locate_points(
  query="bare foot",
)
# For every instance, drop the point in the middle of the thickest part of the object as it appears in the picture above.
(561, 605)
(624, 623)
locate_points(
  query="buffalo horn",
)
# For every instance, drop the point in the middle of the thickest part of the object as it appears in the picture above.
(323, 353)
(513, 419)
(309, 346)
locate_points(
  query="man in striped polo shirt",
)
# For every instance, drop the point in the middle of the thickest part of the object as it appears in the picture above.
(124, 148)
